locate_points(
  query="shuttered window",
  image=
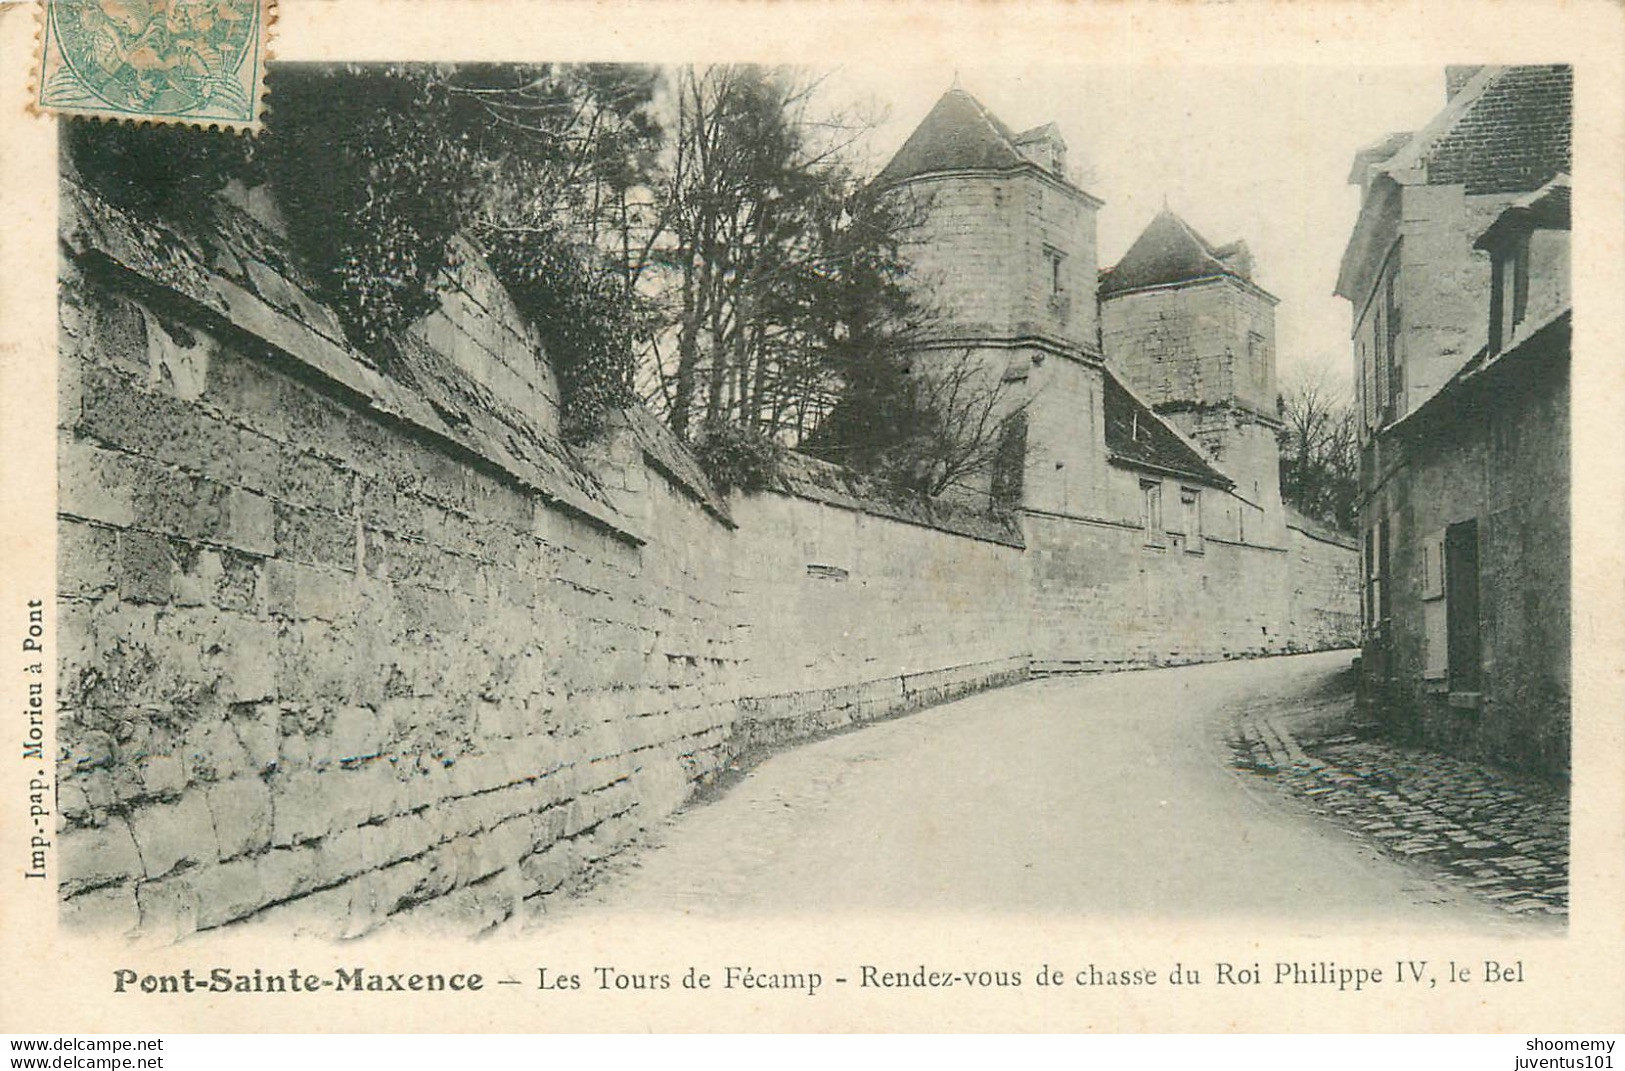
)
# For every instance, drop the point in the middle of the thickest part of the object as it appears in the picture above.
(1464, 639)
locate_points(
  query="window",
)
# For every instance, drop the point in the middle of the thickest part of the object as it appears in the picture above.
(1395, 400)
(1463, 639)
(1435, 631)
(1384, 594)
(1376, 579)
(1256, 360)
(1379, 361)
(1433, 568)
(1381, 350)
(1151, 511)
(1363, 387)
(1055, 261)
(1190, 502)
(1368, 602)
(1509, 291)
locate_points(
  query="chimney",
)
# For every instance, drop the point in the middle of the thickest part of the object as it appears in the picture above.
(1457, 77)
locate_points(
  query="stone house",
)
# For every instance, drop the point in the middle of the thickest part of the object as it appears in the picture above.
(1149, 488)
(1458, 274)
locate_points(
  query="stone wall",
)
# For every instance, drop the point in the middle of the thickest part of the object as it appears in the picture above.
(851, 614)
(1104, 597)
(314, 665)
(347, 645)
(1324, 599)
(350, 643)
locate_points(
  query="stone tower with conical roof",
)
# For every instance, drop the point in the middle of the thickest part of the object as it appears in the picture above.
(1008, 243)
(1006, 255)
(1183, 321)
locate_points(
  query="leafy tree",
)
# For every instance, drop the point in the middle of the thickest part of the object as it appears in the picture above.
(765, 231)
(376, 168)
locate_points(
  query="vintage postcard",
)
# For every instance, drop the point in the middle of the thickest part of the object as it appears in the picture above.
(545, 516)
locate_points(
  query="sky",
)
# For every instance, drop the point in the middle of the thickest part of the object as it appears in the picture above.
(1260, 154)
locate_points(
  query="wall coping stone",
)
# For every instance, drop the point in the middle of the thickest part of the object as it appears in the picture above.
(438, 403)
(801, 476)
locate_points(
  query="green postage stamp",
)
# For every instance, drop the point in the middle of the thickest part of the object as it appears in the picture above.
(167, 61)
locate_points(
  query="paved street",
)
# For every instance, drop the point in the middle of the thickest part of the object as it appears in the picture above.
(1115, 794)
(1503, 837)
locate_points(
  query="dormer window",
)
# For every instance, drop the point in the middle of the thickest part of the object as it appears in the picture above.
(1044, 147)
(1534, 229)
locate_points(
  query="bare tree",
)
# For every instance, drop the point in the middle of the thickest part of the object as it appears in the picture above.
(1319, 453)
(934, 422)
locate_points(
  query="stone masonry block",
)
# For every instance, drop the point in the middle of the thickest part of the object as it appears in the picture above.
(98, 856)
(162, 775)
(169, 834)
(87, 558)
(248, 523)
(169, 908)
(199, 575)
(356, 733)
(88, 485)
(145, 567)
(227, 892)
(285, 873)
(108, 910)
(213, 751)
(307, 591)
(246, 659)
(258, 728)
(299, 811)
(238, 586)
(73, 803)
(314, 536)
(241, 809)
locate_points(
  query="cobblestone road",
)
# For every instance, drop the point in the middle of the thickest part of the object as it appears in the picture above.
(1107, 796)
(1502, 838)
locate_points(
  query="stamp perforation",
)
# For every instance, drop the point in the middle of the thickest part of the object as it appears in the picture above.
(198, 63)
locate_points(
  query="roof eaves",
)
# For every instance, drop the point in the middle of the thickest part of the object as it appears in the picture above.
(1480, 363)
(1221, 273)
(1547, 207)
(1016, 168)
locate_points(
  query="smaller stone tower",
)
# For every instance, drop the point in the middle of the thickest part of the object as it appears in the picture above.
(1184, 323)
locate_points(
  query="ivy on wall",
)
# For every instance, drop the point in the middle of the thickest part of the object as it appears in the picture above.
(376, 168)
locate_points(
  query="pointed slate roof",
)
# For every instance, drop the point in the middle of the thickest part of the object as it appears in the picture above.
(956, 134)
(1167, 251)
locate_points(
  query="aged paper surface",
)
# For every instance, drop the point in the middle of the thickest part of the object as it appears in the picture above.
(1567, 981)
